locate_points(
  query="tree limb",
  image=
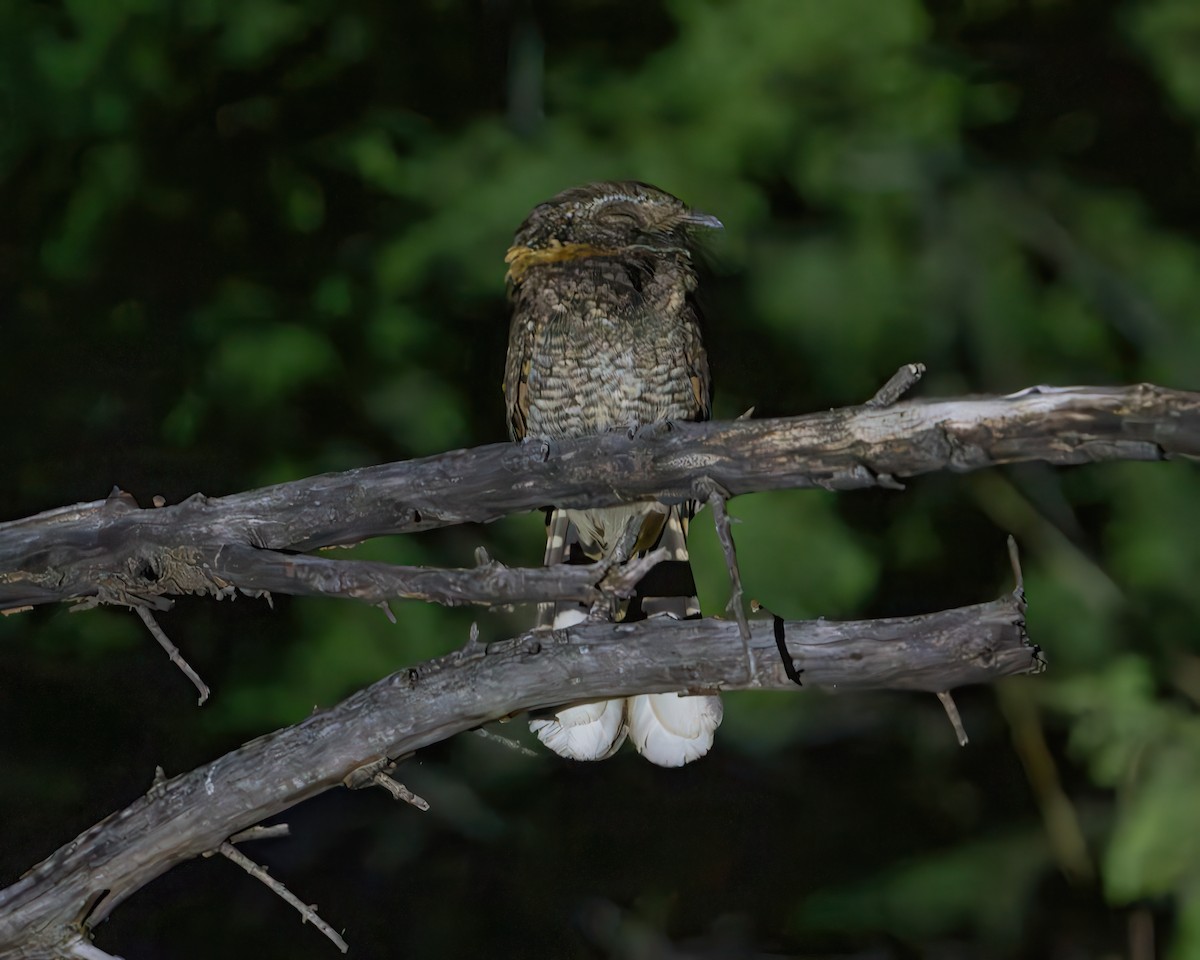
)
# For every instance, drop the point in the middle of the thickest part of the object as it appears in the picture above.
(51, 908)
(141, 572)
(114, 551)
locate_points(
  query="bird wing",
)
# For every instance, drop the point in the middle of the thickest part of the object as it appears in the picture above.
(516, 371)
(697, 361)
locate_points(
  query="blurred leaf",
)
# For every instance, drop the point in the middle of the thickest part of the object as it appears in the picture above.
(795, 556)
(979, 887)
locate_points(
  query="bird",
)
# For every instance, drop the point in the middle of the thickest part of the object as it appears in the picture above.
(605, 335)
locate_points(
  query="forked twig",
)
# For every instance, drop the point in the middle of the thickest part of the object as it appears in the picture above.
(621, 580)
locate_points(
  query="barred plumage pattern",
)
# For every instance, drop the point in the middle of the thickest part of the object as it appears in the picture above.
(605, 336)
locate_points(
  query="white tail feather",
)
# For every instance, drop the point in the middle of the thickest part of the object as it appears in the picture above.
(589, 731)
(671, 730)
(667, 729)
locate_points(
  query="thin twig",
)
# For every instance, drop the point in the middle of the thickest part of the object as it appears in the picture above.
(375, 774)
(897, 386)
(622, 579)
(361, 777)
(955, 720)
(736, 606)
(399, 791)
(172, 651)
(1014, 558)
(261, 833)
(507, 742)
(473, 647)
(308, 912)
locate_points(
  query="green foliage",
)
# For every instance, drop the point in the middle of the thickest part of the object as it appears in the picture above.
(978, 887)
(247, 242)
(1148, 749)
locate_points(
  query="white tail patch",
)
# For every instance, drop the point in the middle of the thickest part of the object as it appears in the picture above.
(671, 730)
(590, 731)
(667, 729)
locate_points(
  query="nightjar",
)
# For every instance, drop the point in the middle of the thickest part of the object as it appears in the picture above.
(605, 336)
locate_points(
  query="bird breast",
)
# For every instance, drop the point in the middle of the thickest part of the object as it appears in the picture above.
(606, 357)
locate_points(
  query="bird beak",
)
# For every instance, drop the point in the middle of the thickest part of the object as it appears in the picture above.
(694, 218)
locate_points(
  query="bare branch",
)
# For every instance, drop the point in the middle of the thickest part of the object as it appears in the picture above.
(1014, 559)
(400, 792)
(491, 583)
(113, 551)
(952, 715)
(224, 571)
(307, 911)
(376, 774)
(193, 813)
(736, 604)
(172, 651)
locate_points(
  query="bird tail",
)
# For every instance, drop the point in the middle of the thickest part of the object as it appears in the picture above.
(586, 731)
(667, 729)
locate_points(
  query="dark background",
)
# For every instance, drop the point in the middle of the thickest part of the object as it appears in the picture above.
(249, 242)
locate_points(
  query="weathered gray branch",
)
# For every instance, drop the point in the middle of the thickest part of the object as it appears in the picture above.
(113, 550)
(491, 583)
(43, 913)
(147, 571)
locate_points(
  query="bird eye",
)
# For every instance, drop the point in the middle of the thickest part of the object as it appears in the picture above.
(620, 216)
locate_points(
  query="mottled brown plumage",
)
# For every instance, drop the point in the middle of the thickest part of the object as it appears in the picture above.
(605, 336)
(604, 333)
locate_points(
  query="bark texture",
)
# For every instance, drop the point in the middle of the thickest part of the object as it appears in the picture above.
(114, 551)
(76, 887)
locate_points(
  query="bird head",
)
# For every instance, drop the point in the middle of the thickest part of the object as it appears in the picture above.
(604, 219)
